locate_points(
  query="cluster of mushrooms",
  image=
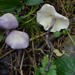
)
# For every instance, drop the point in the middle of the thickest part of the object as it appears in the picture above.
(46, 16)
(15, 39)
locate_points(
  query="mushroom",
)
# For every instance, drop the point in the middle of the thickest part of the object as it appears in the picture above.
(8, 21)
(17, 40)
(52, 21)
(47, 14)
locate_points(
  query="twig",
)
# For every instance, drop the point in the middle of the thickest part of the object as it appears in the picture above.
(37, 36)
(9, 65)
(6, 54)
(71, 38)
(21, 71)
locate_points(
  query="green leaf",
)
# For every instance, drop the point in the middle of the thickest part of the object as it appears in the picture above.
(65, 32)
(42, 71)
(9, 5)
(57, 34)
(45, 61)
(52, 70)
(65, 65)
(33, 2)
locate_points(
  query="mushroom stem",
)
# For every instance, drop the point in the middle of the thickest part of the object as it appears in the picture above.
(19, 57)
(52, 24)
(7, 32)
(49, 44)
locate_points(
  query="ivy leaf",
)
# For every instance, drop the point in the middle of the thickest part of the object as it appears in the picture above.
(9, 5)
(65, 65)
(33, 2)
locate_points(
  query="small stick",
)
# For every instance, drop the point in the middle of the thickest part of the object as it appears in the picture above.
(21, 71)
(6, 54)
(49, 44)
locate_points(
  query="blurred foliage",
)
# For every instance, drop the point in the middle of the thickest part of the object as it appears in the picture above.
(42, 71)
(57, 34)
(33, 2)
(2, 37)
(65, 65)
(9, 5)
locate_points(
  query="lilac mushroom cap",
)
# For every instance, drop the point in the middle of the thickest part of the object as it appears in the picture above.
(8, 21)
(17, 40)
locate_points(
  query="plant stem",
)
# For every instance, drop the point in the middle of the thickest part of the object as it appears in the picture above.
(70, 38)
(32, 11)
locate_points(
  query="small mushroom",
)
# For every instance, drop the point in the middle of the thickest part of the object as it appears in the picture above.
(52, 22)
(47, 14)
(8, 22)
(17, 40)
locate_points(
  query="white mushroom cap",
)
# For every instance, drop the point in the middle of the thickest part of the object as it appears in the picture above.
(45, 15)
(8, 21)
(17, 40)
